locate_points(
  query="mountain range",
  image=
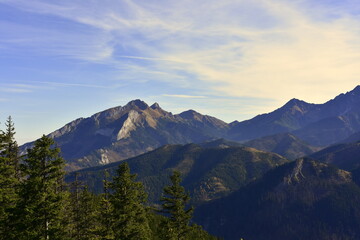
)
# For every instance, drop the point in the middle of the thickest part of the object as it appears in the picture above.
(296, 129)
(293, 173)
(284, 144)
(209, 171)
(122, 132)
(316, 124)
(345, 156)
(303, 199)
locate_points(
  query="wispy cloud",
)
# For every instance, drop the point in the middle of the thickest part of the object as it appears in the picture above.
(15, 90)
(43, 85)
(62, 84)
(182, 96)
(153, 59)
(19, 87)
(258, 48)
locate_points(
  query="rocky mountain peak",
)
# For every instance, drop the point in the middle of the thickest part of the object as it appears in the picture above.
(296, 104)
(190, 114)
(155, 106)
(293, 101)
(137, 104)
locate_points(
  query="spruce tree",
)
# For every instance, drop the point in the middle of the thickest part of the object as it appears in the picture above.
(174, 201)
(104, 218)
(129, 214)
(9, 180)
(43, 197)
(10, 148)
(84, 211)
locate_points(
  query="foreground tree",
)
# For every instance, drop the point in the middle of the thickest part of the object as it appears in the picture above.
(9, 180)
(174, 206)
(9, 148)
(104, 218)
(43, 196)
(83, 212)
(129, 214)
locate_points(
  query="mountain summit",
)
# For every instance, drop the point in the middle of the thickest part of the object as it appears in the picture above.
(317, 124)
(126, 131)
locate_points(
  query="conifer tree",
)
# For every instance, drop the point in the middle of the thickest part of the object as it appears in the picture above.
(10, 149)
(9, 180)
(104, 218)
(129, 214)
(43, 197)
(84, 212)
(174, 204)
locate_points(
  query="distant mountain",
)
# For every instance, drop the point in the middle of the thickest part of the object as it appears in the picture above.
(208, 172)
(300, 200)
(345, 156)
(352, 138)
(221, 143)
(317, 124)
(122, 132)
(293, 115)
(284, 144)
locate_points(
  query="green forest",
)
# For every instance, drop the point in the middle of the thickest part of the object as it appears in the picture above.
(36, 202)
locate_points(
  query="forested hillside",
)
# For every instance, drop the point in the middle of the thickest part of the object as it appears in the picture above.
(208, 172)
(301, 200)
(36, 203)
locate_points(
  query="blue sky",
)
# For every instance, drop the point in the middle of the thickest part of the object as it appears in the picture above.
(232, 59)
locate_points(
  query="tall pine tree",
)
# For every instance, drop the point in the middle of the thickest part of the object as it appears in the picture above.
(9, 179)
(174, 201)
(84, 212)
(104, 218)
(43, 196)
(10, 148)
(129, 214)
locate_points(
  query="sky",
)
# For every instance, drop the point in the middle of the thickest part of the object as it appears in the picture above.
(232, 59)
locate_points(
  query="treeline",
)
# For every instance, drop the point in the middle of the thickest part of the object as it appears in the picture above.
(36, 203)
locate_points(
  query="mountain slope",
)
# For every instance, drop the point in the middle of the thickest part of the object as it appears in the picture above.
(122, 132)
(317, 124)
(208, 173)
(352, 138)
(345, 156)
(293, 115)
(284, 144)
(220, 143)
(299, 200)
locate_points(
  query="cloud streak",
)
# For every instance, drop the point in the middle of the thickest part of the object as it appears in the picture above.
(182, 96)
(61, 84)
(260, 48)
(232, 59)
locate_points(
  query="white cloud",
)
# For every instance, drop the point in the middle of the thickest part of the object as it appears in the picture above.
(258, 48)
